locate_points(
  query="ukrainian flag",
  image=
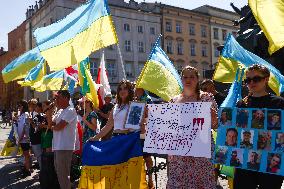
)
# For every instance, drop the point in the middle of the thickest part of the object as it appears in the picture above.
(21, 66)
(235, 57)
(159, 76)
(114, 164)
(88, 86)
(72, 39)
(54, 82)
(35, 75)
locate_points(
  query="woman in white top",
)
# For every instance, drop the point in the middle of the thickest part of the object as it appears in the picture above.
(118, 115)
(23, 133)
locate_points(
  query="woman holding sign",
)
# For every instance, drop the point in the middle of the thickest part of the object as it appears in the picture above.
(186, 171)
(257, 77)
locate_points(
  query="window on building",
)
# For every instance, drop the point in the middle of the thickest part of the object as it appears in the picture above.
(140, 29)
(191, 29)
(204, 68)
(203, 31)
(179, 66)
(140, 67)
(192, 49)
(126, 27)
(152, 45)
(127, 45)
(51, 21)
(180, 47)
(216, 52)
(169, 44)
(178, 27)
(168, 26)
(111, 47)
(224, 34)
(152, 31)
(129, 71)
(204, 51)
(94, 66)
(141, 47)
(216, 33)
(111, 68)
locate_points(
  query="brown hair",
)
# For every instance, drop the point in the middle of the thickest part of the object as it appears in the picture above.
(190, 68)
(130, 88)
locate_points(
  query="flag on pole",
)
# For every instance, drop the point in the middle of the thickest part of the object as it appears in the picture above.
(234, 57)
(70, 40)
(159, 75)
(35, 75)
(269, 15)
(21, 66)
(88, 86)
(103, 80)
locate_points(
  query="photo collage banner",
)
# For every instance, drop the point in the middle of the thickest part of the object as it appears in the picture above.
(252, 139)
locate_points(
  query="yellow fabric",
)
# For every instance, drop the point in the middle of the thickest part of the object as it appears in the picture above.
(93, 95)
(99, 35)
(10, 150)
(20, 72)
(159, 80)
(231, 183)
(270, 17)
(128, 175)
(53, 84)
(226, 69)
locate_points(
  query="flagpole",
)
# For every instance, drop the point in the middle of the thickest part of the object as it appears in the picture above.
(121, 61)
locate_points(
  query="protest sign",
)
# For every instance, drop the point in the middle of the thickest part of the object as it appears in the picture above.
(179, 129)
(251, 138)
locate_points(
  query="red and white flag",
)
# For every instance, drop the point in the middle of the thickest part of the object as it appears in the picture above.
(103, 80)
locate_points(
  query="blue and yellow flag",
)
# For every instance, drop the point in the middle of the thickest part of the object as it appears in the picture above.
(270, 17)
(72, 39)
(159, 75)
(54, 81)
(21, 66)
(234, 57)
(88, 86)
(114, 164)
(35, 75)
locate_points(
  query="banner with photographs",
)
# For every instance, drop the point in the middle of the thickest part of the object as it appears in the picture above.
(251, 139)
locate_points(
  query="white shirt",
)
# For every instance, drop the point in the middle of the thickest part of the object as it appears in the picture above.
(23, 126)
(119, 117)
(65, 139)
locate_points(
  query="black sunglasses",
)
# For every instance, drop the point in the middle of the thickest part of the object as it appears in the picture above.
(255, 79)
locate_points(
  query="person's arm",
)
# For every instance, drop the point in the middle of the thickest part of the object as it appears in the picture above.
(106, 129)
(61, 125)
(100, 113)
(144, 121)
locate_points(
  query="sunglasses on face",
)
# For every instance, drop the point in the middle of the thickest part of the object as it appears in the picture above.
(255, 79)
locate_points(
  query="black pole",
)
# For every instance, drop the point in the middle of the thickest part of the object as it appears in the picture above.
(156, 176)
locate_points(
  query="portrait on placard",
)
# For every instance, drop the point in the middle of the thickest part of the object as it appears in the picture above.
(258, 117)
(226, 117)
(236, 158)
(253, 160)
(247, 139)
(231, 137)
(264, 140)
(273, 163)
(242, 118)
(221, 154)
(279, 142)
(135, 115)
(274, 120)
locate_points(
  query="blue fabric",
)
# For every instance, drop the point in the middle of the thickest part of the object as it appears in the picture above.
(111, 152)
(34, 73)
(233, 50)
(73, 24)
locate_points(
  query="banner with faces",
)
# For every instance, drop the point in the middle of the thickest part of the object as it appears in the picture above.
(250, 138)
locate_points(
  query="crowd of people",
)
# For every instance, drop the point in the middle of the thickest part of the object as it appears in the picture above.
(52, 129)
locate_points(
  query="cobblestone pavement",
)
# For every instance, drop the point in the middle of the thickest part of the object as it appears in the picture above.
(10, 175)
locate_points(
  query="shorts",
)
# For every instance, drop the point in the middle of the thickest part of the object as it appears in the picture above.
(46, 139)
(25, 146)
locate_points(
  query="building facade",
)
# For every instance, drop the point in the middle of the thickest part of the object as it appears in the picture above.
(221, 24)
(138, 26)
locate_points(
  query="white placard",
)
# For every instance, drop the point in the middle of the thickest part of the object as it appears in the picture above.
(179, 129)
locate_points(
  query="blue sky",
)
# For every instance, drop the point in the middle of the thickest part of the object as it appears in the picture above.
(12, 12)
